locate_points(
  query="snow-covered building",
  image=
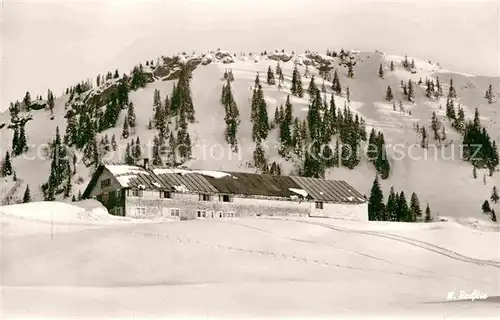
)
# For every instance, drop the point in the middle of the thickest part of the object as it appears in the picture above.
(149, 192)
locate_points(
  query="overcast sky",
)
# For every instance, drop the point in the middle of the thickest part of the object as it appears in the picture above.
(53, 44)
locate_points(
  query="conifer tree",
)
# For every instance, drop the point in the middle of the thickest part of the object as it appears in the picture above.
(474, 172)
(336, 154)
(125, 133)
(428, 217)
(129, 158)
(494, 195)
(27, 195)
(270, 77)
(381, 71)
(297, 83)
(138, 149)
(452, 93)
(50, 101)
(336, 84)
(450, 110)
(392, 206)
(376, 207)
(388, 94)
(403, 210)
(68, 186)
(131, 115)
(157, 161)
(439, 91)
(311, 90)
(277, 116)
(416, 212)
(15, 142)
(392, 66)
(411, 95)
(27, 100)
(489, 94)
(424, 141)
(285, 128)
(435, 125)
(113, 142)
(486, 207)
(278, 70)
(259, 157)
(350, 69)
(257, 80)
(6, 165)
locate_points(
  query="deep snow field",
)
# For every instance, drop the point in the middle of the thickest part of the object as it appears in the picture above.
(62, 260)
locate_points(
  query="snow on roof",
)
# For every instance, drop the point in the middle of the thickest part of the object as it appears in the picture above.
(182, 188)
(156, 184)
(125, 169)
(213, 174)
(169, 171)
(302, 192)
(124, 180)
(123, 173)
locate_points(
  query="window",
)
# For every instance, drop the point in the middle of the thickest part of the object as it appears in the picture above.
(117, 211)
(230, 214)
(204, 197)
(165, 194)
(106, 183)
(201, 213)
(227, 198)
(319, 204)
(212, 214)
(220, 214)
(135, 193)
(174, 212)
(118, 194)
(105, 197)
(140, 211)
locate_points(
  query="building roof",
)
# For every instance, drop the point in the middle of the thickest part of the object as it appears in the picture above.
(234, 183)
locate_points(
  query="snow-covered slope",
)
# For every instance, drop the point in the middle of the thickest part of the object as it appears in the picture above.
(252, 267)
(446, 184)
(56, 217)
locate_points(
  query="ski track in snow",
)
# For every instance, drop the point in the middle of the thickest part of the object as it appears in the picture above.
(347, 250)
(293, 257)
(414, 242)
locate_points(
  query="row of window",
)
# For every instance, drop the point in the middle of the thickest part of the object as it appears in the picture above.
(118, 211)
(105, 195)
(168, 195)
(213, 214)
(222, 198)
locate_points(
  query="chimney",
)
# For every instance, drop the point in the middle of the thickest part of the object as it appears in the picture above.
(146, 163)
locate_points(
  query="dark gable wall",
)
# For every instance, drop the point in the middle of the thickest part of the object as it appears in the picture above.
(113, 200)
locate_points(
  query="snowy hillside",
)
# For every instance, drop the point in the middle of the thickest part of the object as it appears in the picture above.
(446, 184)
(86, 263)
